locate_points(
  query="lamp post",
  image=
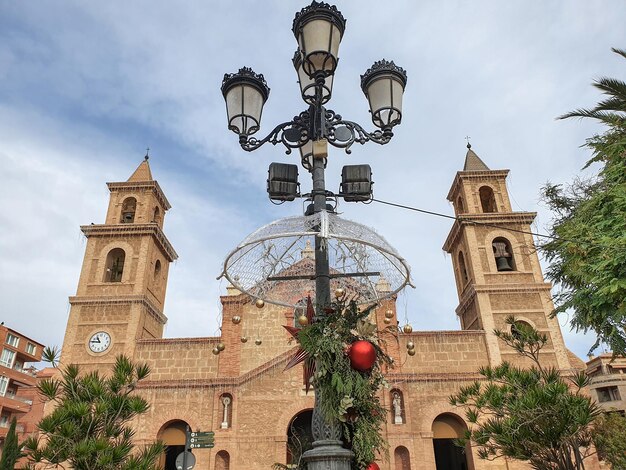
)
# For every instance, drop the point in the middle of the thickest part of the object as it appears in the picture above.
(318, 29)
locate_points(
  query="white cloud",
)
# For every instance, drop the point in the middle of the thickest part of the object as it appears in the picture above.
(84, 87)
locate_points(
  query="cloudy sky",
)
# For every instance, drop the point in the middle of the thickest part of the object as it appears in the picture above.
(85, 87)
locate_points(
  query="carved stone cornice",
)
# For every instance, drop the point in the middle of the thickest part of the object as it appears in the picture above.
(134, 185)
(207, 340)
(125, 230)
(394, 379)
(492, 219)
(472, 290)
(430, 334)
(240, 298)
(513, 288)
(474, 175)
(121, 300)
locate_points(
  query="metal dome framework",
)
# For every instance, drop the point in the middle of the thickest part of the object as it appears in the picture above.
(276, 262)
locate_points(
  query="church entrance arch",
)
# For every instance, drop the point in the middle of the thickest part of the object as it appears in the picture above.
(448, 456)
(172, 434)
(299, 436)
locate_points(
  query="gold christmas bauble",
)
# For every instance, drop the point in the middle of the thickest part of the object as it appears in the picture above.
(387, 320)
(303, 320)
(389, 314)
(215, 351)
(244, 339)
(259, 303)
(339, 292)
(236, 319)
(258, 342)
(410, 345)
(407, 329)
(220, 347)
(411, 352)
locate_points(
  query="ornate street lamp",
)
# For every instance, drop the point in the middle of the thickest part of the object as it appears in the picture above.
(318, 29)
(308, 87)
(383, 85)
(245, 93)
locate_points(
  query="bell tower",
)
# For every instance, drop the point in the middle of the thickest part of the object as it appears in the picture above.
(121, 289)
(496, 265)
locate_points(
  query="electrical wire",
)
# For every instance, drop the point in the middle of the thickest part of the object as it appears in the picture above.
(474, 222)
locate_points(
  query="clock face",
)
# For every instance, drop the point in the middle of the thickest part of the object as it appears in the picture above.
(100, 342)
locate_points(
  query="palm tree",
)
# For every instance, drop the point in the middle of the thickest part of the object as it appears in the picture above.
(612, 110)
(586, 253)
(89, 425)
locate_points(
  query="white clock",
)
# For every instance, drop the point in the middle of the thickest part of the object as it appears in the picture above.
(99, 342)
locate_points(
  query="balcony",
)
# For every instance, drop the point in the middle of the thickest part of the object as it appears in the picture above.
(25, 356)
(15, 404)
(607, 379)
(22, 379)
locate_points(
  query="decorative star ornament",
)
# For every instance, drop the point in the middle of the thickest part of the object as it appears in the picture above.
(301, 354)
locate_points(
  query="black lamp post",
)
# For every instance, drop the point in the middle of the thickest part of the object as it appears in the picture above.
(318, 29)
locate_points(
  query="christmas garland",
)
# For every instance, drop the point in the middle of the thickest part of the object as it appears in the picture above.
(348, 375)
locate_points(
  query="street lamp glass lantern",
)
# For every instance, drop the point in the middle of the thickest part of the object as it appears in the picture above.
(245, 93)
(318, 28)
(383, 85)
(307, 84)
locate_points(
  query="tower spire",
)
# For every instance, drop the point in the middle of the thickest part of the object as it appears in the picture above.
(472, 161)
(142, 173)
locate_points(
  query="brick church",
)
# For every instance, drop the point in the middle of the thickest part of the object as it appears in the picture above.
(242, 393)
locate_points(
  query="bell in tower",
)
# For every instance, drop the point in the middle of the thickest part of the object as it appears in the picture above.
(502, 255)
(128, 210)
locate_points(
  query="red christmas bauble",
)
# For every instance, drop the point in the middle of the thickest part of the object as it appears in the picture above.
(362, 355)
(373, 466)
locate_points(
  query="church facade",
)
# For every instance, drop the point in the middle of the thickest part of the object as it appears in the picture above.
(243, 395)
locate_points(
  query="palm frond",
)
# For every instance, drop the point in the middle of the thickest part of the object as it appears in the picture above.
(611, 86)
(51, 355)
(603, 116)
(621, 52)
(612, 104)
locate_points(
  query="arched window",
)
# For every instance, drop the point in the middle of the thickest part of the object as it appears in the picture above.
(460, 208)
(519, 328)
(402, 458)
(487, 199)
(398, 415)
(156, 215)
(299, 436)
(172, 434)
(222, 460)
(503, 254)
(157, 268)
(114, 265)
(226, 410)
(448, 456)
(462, 269)
(129, 206)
